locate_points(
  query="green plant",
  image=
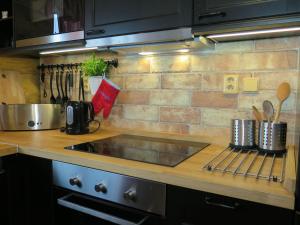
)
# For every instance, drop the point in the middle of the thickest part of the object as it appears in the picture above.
(95, 66)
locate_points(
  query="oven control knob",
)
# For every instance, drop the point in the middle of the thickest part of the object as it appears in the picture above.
(101, 188)
(130, 195)
(75, 182)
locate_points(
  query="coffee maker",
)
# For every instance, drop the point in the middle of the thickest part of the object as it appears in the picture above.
(79, 115)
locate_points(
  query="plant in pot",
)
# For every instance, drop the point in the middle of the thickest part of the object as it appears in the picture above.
(95, 69)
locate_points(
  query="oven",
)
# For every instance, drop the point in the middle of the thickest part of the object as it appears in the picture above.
(85, 196)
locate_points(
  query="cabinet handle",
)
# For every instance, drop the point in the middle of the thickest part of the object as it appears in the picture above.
(212, 14)
(94, 32)
(210, 201)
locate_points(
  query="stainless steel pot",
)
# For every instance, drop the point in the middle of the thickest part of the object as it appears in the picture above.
(242, 133)
(30, 117)
(272, 137)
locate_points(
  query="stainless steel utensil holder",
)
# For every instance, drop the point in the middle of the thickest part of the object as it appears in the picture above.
(272, 137)
(243, 134)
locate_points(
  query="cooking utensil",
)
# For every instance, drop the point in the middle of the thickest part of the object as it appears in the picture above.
(57, 79)
(43, 76)
(81, 88)
(257, 114)
(30, 117)
(283, 92)
(272, 137)
(52, 98)
(268, 110)
(65, 99)
(242, 134)
(61, 76)
(71, 82)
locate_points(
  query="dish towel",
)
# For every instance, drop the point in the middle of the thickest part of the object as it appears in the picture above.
(105, 97)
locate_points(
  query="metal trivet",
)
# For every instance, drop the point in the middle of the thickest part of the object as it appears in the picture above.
(249, 163)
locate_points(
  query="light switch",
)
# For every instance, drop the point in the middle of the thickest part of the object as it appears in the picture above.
(250, 84)
(231, 84)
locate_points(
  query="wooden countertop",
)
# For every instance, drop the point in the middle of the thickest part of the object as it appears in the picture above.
(189, 174)
(8, 149)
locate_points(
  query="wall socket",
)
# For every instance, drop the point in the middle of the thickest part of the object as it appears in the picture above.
(231, 84)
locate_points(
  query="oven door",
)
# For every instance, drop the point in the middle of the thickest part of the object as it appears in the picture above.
(77, 209)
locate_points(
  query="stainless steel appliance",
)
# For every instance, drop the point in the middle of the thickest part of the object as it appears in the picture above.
(30, 117)
(243, 133)
(272, 137)
(159, 151)
(48, 21)
(105, 198)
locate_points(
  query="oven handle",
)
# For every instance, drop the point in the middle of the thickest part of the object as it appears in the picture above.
(98, 214)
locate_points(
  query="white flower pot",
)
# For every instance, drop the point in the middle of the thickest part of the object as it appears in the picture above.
(94, 83)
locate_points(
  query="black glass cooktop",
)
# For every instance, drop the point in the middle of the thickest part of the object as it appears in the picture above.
(144, 149)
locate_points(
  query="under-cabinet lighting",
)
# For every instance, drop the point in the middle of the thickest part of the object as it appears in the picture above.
(68, 50)
(183, 50)
(147, 53)
(257, 32)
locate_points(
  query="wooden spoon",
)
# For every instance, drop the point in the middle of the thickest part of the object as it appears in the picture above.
(283, 92)
(257, 114)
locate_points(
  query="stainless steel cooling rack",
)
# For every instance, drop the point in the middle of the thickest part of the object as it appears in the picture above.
(249, 163)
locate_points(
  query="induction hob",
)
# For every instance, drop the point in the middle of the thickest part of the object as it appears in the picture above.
(158, 151)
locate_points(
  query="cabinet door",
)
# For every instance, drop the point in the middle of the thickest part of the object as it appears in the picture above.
(116, 17)
(4, 207)
(190, 207)
(216, 11)
(30, 186)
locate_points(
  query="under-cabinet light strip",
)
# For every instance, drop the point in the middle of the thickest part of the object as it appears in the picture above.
(68, 50)
(258, 32)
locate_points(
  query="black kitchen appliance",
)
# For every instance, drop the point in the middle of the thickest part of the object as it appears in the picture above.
(159, 151)
(79, 115)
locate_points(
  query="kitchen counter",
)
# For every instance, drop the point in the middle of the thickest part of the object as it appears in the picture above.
(189, 174)
(7, 149)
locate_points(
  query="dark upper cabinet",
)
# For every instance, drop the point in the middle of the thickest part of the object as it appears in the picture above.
(37, 18)
(117, 17)
(216, 11)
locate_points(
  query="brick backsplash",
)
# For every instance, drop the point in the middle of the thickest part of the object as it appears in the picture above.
(183, 94)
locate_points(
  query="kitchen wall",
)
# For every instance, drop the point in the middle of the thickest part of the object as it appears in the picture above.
(183, 94)
(25, 71)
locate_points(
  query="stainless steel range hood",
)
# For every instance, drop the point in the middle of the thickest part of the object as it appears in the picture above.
(158, 42)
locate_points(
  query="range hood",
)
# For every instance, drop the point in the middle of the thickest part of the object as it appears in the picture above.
(177, 40)
(262, 28)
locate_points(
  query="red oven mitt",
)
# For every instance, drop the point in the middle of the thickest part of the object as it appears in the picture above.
(105, 97)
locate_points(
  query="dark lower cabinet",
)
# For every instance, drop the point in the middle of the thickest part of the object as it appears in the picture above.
(189, 207)
(119, 17)
(30, 190)
(219, 11)
(4, 203)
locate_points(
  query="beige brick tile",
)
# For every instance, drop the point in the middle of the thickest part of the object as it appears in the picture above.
(170, 97)
(237, 46)
(140, 112)
(142, 81)
(278, 43)
(133, 97)
(269, 60)
(271, 81)
(181, 81)
(149, 126)
(225, 62)
(221, 134)
(202, 62)
(246, 101)
(118, 80)
(222, 117)
(177, 63)
(213, 100)
(133, 65)
(180, 115)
